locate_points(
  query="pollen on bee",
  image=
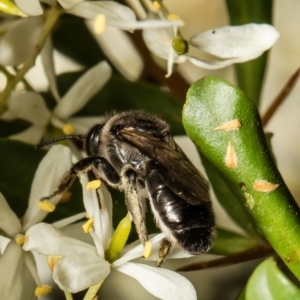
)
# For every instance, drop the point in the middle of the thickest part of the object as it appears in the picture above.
(231, 157)
(42, 290)
(264, 186)
(93, 185)
(147, 249)
(230, 125)
(20, 239)
(68, 129)
(45, 205)
(100, 24)
(87, 226)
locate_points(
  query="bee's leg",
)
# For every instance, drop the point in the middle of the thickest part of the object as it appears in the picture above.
(163, 251)
(84, 166)
(135, 202)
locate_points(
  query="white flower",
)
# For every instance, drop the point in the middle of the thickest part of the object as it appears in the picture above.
(21, 276)
(80, 265)
(231, 44)
(30, 106)
(113, 13)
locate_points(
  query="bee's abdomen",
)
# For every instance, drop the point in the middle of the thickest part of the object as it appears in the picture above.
(192, 226)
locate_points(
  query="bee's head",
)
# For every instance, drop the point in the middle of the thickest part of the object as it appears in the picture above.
(93, 140)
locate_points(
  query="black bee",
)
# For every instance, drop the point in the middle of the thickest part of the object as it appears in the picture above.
(134, 152)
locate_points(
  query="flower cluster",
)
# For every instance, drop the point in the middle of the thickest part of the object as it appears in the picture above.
(75, 264)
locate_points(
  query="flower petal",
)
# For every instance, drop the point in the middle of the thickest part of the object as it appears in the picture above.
(236, 41)
(31, 135)
(78, 272)
(9, 222)
(218, 64)
(120, 50)
(18, 42)
(135, 250)
(102, 217)
(83, 90)
(48, 64)
(113, 11)
(162, 283)
(17, 282)
(29, 106)
(83, 124)
(67, 4)
(159, 41)
(48, 240)
(30, 7)
(50, 171)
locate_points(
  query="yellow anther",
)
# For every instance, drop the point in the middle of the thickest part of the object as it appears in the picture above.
(43, 290)
(173, 17)
(147, 249)
(20, 239)
(156, 5)
(87, 226)
(52, 261)
(99, 24)
(68, 129)
(45, 205)
(93, 185)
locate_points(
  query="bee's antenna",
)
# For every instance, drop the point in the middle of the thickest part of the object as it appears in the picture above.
(61, 138)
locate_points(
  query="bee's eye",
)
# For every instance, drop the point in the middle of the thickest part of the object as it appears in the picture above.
(93, 140)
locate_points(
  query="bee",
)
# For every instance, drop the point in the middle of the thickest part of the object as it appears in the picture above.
(134, 152)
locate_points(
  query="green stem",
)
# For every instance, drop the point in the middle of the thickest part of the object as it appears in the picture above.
(51, 20)
(92, 291)
(250, 75)
(250, 254)
(8, 75)
(288, 87)
(68, 296)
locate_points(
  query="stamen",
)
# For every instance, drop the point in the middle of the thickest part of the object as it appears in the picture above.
(45, 205)
(156, 6)
(52, 260)
(43, 290)
(173, 17)
(99, 24)
(68, 129)
(20, 239)
(93, 185)
(147, 249)
(87, 226)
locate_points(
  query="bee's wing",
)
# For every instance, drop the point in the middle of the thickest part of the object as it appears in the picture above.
(178, 172)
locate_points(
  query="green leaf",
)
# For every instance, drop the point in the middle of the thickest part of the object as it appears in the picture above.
(228, 200)
(229, 242)
(269, 283)
(243, 160)
(250, 75)
(8, 128)
(18, 164)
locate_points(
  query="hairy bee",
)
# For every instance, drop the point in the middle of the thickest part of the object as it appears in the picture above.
(134, 152)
